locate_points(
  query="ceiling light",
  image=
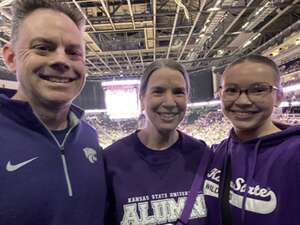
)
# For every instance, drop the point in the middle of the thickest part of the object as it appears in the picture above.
(204, 28)
(245, 25)
(217, 3)
(213, 9)
(220, 52)
(247, 43)
(259, 10)
(256, 36)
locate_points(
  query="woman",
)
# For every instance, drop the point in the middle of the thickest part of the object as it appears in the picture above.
(254, 177)
(150, 172)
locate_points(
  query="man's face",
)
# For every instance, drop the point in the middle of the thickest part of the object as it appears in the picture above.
(250, 114)
(165, 100)
(48, 58)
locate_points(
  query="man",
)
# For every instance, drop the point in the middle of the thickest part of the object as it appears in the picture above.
(255, 174)
(51, 164)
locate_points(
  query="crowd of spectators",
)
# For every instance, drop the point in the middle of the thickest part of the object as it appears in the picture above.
(288, 118)
(110, 130)
(290, 67)
(290, 82)
(212, 127)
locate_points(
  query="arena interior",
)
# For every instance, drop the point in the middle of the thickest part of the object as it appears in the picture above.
(124, 36)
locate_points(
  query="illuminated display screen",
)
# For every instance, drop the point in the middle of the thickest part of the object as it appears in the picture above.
(121, 100)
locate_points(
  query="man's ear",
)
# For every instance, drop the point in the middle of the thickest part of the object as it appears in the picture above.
(279, 96)
(9, 57)
(142, 103)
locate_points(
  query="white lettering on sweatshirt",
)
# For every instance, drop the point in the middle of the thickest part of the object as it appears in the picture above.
(161, 211)
(259, 199)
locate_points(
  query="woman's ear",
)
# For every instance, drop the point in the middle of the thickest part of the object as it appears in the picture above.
(9, 57)
(218, 93)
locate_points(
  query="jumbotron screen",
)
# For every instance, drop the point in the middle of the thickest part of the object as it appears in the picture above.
(121, 98)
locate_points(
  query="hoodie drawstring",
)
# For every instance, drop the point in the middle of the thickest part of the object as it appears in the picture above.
(249, 179)
(224, 189)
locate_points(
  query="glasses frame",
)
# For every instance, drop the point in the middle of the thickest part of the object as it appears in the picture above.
(245, 90)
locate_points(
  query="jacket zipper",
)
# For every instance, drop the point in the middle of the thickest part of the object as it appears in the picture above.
(62, 151)
(63, 158)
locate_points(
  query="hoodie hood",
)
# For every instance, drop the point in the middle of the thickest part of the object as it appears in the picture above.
(271, 139)
(22, 113)
(255, 155)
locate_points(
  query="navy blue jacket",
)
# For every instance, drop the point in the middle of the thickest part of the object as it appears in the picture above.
(43, 182)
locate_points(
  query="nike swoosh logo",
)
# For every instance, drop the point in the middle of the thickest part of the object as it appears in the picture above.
(12, 168)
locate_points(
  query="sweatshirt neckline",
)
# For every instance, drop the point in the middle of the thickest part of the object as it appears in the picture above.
(158, 157)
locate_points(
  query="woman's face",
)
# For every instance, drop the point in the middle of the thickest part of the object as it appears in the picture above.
(165, 100)
(248, 114)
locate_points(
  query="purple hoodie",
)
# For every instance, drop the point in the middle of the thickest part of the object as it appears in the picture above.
(265, 180)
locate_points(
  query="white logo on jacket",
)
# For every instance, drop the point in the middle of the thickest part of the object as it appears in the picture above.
(90, 154)
(13, 167)
(266, 203)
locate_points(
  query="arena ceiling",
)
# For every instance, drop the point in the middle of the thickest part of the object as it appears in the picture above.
(123, 36)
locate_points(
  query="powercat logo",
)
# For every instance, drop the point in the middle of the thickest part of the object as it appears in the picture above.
(260, 199)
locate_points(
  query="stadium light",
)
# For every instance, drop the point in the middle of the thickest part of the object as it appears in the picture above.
(295, 87)
(208, 103)
(289, 104)
(94, 111)
(120, 82)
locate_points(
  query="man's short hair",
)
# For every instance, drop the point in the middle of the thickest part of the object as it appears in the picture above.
(259, 59)
(23, 8)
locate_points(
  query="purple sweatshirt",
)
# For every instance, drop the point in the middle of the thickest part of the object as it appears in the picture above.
(150, 187)
(265, 180)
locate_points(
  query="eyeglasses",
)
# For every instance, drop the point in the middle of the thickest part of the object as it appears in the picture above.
(255, 91)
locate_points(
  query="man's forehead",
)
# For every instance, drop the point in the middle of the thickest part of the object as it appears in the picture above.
(48, 17)
(50, 25)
